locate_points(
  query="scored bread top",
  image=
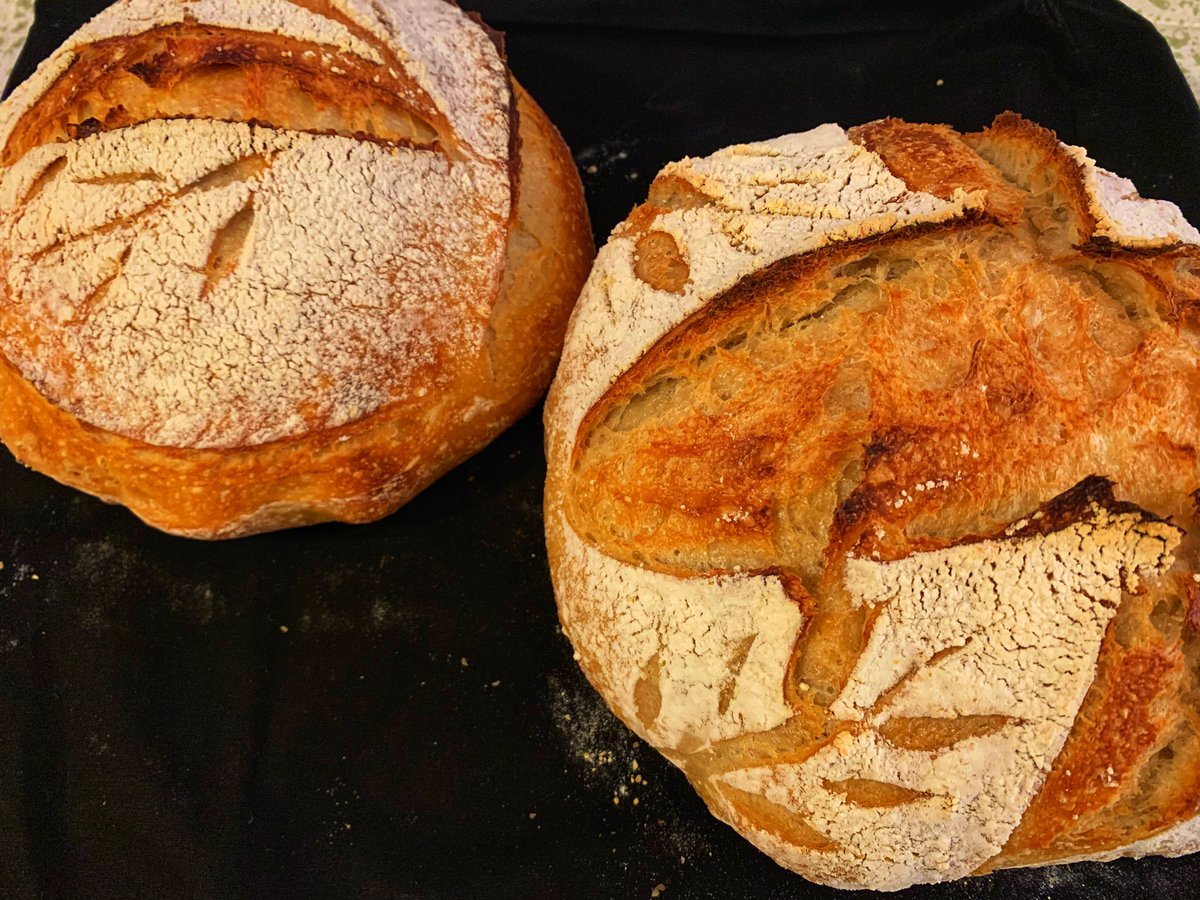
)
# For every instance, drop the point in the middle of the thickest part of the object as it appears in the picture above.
(814, 405)
(745, 207)
(730, 215)
(226, 223)
(1003, 634)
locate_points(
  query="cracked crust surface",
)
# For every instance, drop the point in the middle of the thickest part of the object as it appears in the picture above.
(323, 246)
(872, 464)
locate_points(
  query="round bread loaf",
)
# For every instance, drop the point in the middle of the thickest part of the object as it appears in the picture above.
(264, 264)
(872, 499)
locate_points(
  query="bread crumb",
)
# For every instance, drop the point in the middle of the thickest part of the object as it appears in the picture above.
(463, 662)
(941, 82)
(658, 889)
(283, 629)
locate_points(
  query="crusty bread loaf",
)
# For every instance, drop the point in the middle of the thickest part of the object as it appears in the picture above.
(872, 499)
(271, 263)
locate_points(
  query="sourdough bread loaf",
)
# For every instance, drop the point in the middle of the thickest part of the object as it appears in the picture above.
(271, 263)
(872, 499)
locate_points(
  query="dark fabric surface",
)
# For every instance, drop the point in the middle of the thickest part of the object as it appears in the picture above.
(420, 730)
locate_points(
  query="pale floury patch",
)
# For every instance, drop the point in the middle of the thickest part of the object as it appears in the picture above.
(1007, 628)
(342, 252)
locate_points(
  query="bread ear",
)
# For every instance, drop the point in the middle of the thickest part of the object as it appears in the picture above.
(850, 466)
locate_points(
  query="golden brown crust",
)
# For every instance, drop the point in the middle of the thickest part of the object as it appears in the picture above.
(362, 471)
(367, 467)
(1125, 717)
(550, 253)
(991, 412)
(934, 158)
(205, 72)
(1044, 160)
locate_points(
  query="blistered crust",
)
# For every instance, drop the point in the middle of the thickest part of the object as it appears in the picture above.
(763, 202)
(1178, 840)
(977, 653)
(768, 201)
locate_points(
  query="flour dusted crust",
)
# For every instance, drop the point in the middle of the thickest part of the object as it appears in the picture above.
(295, 244)
(1007, 631)
(872, 499)
(676, 627)
(165, 343)
(765, 209)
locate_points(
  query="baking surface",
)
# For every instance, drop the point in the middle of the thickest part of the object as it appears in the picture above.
(390, 710)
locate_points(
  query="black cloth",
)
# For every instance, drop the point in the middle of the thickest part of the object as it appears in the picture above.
(420, 730)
